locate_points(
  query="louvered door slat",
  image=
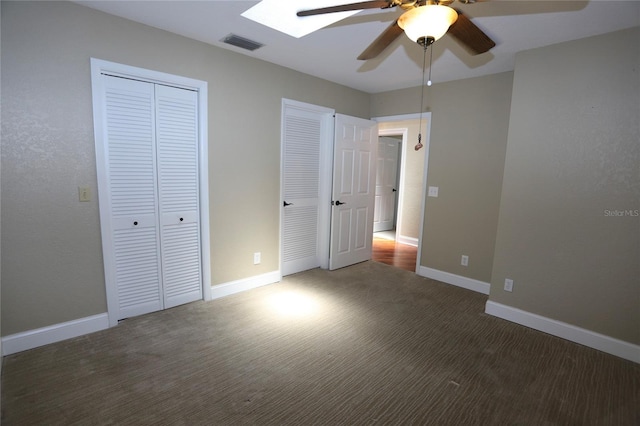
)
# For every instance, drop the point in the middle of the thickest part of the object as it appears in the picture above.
(301, 227)
(130, 136)
(301, 157)
(301, 183)
(177, 144)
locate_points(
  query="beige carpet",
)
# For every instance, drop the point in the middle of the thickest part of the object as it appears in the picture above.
(368, 344)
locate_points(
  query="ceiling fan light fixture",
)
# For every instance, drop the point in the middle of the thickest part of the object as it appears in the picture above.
(425, 22)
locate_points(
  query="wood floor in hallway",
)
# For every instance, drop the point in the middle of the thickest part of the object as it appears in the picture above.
(392, 253)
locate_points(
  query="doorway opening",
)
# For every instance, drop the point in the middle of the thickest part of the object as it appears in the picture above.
(388, 166)
(385, 247)
(398, 228)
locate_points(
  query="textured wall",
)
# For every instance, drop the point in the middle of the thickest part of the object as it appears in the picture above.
(466, 162)
(51, 251)
(569, 229)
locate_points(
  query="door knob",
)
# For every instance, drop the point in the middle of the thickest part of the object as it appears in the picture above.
(394, 190)
(339, 203)
(285, 204)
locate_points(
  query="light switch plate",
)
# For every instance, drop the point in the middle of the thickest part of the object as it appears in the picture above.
(433, 191)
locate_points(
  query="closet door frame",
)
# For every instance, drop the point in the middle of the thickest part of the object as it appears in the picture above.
(100, 67)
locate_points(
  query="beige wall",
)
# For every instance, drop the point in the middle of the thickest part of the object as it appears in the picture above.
(466, 160)
(51, 252)
(570, 111)
(573, 154)
(413, 166)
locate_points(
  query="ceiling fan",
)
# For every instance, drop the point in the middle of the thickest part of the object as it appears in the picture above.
(424, 21)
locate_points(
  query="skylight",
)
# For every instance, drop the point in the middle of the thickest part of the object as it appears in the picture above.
(281, 15)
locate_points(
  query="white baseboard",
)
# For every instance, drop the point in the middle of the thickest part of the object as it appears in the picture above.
(19, 342)
(566, 331)
(407, 240)
(453, 279)
(54, 333)
(232, 287)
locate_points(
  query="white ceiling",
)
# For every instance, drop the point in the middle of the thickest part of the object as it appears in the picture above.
(330, 53)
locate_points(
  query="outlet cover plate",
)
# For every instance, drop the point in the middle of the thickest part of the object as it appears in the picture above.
(508, 284)
(84, 193)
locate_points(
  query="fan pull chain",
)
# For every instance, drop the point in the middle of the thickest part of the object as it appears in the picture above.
(430, 63)
(424, 63)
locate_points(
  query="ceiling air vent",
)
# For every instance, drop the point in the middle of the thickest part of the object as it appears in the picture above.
(242, 42)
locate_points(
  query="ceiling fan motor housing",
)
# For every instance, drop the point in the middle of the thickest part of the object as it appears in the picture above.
(425, 41)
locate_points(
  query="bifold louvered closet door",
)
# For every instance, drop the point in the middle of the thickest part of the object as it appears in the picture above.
(151, 134)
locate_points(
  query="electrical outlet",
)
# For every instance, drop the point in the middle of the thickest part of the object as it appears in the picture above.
(464, 261)
(256, 258)
(433, 191)
(508, 284)
(84, 193)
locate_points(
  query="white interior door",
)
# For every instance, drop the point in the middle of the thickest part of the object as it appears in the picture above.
(149, 195)
(306, 130)
(131, 240)
(386, 184)
(177, 157)
(353, 195)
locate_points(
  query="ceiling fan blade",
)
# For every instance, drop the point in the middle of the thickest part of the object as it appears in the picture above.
(470, 36)
(345, 7)
(382, 42)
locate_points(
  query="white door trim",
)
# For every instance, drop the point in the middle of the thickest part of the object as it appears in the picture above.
(427, 145)
(99, 67)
